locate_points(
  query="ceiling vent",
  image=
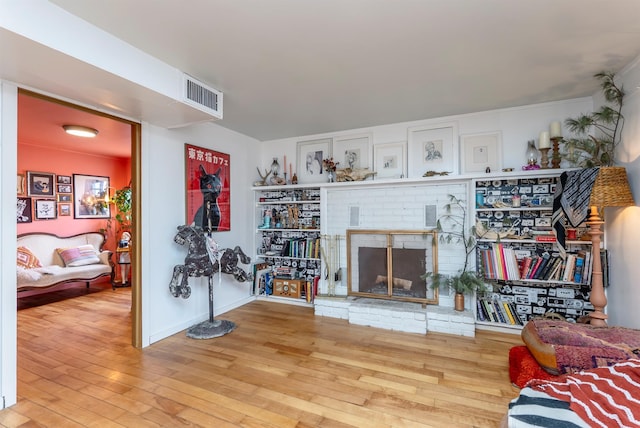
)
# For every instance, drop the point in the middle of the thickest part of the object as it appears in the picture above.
(202, 97)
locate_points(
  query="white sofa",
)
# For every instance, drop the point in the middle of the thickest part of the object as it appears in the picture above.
(53, 270)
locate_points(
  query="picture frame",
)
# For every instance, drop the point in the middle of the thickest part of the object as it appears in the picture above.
(390, 160)
(45, 209)
(481, 151)
(89, 196)
(24, 213)
(64, 210)
(63, 179)
(431, 148)
(40, 183)
(309, 160)
(64, 197)
(213, 169)
(353, 151)
(63, 188)
(20, 185)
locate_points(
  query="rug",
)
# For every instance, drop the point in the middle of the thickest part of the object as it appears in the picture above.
(523, 367)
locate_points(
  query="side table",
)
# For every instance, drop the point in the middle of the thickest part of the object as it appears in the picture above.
(123, 258)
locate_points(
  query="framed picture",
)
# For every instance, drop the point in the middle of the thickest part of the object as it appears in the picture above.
(208, 178)
(431, 148)
(24, 213)
(40, 183)
(64, 188)
(64, 210)
(481, 151)
(63, 179)
(64, 197)
(45, 209)
(352, 151)
(390, 160)
(89, 192)
(309, 156)
(20, 184)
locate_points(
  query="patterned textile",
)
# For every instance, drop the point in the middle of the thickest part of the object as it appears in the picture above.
(571, 201)
(533, 408)
(79, 256)
(605, 396)
(26, 259)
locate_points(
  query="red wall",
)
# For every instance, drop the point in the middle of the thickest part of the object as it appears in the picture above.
(41, 159)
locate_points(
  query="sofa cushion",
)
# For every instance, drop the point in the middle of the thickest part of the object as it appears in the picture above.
(78, 256)
(26, 259)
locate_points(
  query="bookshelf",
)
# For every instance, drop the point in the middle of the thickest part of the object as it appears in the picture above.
(518, 255)
(287, 245)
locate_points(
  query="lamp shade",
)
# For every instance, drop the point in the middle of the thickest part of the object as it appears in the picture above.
(611, 188)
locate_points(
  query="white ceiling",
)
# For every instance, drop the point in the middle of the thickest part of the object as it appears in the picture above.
(300, 67)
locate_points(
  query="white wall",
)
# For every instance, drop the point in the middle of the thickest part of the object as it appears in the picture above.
(622, 227)
(164, 209)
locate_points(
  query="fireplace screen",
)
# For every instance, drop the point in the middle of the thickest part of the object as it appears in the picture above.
(388, 264)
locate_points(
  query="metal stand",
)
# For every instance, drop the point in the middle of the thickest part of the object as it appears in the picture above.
(210, 328)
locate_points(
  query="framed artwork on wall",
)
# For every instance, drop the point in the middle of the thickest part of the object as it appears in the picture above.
(24, 213)
(352, 151)
(309, 160)
(481, 151)
(208, 180)
(63, 179)
(64, 197)
(89, 196)
(64, 210)
(390, 160)
(40, 183)
(45, 209)
(20, 185)
(64, 188)
(431, 148)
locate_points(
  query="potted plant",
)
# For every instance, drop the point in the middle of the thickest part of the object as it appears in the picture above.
(465, 281)
(598, 132)
(122, 201)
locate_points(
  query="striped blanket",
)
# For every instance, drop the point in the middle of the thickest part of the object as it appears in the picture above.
(600, 397)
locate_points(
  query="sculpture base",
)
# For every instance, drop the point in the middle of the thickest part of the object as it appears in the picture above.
(209, 330)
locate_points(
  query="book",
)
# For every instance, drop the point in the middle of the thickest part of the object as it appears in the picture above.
(526, 265)
(481, 313)
(489, 310)
(502, 318)
(507, 311)
(577, 273)
(544, 259)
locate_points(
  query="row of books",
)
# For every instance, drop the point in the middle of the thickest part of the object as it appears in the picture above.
(497, 311)
(306, 248)
(505, 263)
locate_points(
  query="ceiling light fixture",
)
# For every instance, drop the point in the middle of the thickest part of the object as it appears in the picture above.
(80, 131)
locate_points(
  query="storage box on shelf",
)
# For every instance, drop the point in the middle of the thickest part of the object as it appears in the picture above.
(288, 242)
(519, 256)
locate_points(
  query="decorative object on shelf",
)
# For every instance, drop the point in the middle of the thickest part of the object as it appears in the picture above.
(206, 258)
(330, 167)
(263, 178)
(532, 156)
(359, 174)
(208, 182)
(601, 130)
(465, 281)
(544, 145)
(555, 133)
(434, 173)
(294, 178)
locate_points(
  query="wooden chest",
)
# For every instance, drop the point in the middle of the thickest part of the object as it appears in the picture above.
(287, 287)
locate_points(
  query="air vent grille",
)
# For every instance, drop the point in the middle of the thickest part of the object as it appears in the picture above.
(202, 97)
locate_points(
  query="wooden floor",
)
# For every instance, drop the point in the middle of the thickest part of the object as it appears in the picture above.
(281, 367)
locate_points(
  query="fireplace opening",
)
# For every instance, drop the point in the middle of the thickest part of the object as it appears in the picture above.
(389, 264)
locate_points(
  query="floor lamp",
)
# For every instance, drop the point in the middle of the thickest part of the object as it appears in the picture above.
(611, 189)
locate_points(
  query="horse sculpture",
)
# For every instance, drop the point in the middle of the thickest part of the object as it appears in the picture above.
(198, 261)
(204, 258)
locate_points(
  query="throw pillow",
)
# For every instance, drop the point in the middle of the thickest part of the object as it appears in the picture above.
(78, 256)
(26, 259)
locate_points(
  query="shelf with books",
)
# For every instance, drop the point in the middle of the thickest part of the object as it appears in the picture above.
(519, 257)
(287, 244)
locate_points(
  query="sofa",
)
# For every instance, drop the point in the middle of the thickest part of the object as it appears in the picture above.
(45, 260)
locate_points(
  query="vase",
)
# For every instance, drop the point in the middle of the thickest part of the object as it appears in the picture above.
(331, 176)
(458, 302)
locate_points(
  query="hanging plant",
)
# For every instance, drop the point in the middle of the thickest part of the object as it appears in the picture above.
(122, 201)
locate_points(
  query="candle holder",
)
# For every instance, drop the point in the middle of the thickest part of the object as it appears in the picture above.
(544, 161)
(555, 158)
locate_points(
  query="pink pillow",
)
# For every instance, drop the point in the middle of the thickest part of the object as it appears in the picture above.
(79, 256)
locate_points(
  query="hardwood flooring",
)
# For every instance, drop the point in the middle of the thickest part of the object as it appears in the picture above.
(281, 367)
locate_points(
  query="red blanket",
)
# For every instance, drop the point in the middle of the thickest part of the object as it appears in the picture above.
(604, 396)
